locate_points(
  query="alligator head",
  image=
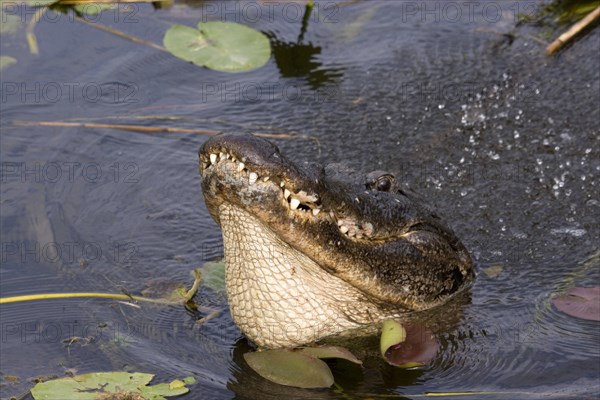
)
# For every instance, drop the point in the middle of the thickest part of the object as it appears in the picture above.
(312, 250)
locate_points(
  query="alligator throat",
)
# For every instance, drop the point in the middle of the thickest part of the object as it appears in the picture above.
(278, 296)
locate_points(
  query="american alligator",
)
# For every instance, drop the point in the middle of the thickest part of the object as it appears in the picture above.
(312, 250)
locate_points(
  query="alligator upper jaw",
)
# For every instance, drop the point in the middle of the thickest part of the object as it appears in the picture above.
(244, 175)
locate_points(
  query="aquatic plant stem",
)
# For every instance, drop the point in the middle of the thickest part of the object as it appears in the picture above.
(143, 128)
(574, 30)
(121, 34)
(190, 293)
(115, 296)
(31, 39)
(48, 296)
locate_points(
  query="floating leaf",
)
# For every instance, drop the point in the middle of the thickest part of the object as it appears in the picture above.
(190, 380)
(37, 3)
(98, 385)
(213, 275)
(93, 8)
(571, 11)
(176, 384)
(162, 390)
(392, 333)
(580, 302)
(290, 368)
(417, 348)
(222, 46)
(331, 352)
(493, 271)
(164, 288)
(7, 61)
(9, 23)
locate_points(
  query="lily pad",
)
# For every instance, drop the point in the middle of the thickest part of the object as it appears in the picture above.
(290, 368)
(9, 23)
(222, 46)
(38, 3)
(7, 61)
(331, 352)
(392, 333)
(92, 9)
(418, 347)
(213, 275)
(106, 385)
(580, 302)
(493, 272)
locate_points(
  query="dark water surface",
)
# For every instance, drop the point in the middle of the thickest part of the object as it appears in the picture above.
(501, 138)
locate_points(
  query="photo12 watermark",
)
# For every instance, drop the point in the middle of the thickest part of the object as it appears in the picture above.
(70, 332)
(252, 12)
(33, 11)
(69, 92)
(256, 92)
(69, 171)
(467, 11)
(83, 253)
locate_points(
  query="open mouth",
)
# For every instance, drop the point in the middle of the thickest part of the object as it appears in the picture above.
(300, 202)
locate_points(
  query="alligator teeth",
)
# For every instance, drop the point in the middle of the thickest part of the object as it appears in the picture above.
(299, 198)
(294, 203)
(353, 229)
(252, 178)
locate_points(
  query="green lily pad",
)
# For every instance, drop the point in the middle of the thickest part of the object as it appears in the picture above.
(7, 61)
(106, 385)
(331, 352)
(494, 271)
(9, 23)
(190, 380)
(290, 368)
(222, 46)
(163, 288)
(32, 3)
(92, 9)
(417, 346)
(580, 302)
(213, 275)
(392, 333)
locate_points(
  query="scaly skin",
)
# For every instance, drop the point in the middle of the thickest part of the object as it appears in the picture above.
(313, 251)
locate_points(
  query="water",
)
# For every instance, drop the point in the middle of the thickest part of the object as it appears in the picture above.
(502, 139)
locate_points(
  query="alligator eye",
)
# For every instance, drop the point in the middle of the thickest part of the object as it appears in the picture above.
(384, 183)
(380, 181)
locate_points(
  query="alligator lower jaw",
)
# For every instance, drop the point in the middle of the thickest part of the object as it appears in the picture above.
(278, 296)
(300, 203)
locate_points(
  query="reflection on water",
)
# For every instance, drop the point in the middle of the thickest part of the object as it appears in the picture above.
(502, 139)
(301, 60)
